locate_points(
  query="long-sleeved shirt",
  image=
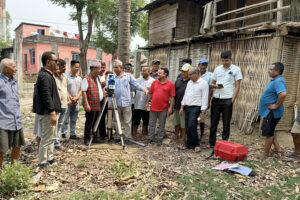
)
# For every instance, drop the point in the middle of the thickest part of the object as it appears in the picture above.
(122, 91)
(196, 94)
(10, 114)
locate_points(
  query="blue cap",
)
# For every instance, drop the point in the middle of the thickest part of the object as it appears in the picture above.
(203, 60)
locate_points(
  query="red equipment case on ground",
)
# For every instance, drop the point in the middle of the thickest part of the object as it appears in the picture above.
(230, 151)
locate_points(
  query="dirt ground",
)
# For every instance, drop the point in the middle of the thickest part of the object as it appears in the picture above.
(152, 172)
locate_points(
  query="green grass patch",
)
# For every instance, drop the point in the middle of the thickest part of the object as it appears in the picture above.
(211, 184)
(123, 168)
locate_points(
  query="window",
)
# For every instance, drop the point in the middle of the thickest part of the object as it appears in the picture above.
(41, 31)
(25, 62)
(75, 57)
(32, 56)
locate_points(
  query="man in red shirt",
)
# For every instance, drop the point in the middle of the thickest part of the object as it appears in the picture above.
(162, 91)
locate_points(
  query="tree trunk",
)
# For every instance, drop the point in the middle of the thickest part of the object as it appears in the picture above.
(124, 30)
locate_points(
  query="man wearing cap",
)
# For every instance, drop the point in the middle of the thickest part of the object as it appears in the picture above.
(124, 83)
(11, 133)
(155, 68)
(184, 61)
(92, 95)
(226, 81)
(180, 86)
(207, 76)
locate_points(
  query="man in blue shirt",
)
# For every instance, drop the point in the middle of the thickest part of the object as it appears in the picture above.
(207, 76)
(271, 106)
(124, 81)
(11, 134)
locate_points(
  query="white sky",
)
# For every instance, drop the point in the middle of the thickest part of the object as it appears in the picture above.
(46, 13)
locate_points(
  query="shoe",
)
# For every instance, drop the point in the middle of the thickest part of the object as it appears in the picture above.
(73, 137)
(52, 161)
(43, 166)
(159, 143)
(63, 136)
(197, 149)
(150, 141)
(86, 142)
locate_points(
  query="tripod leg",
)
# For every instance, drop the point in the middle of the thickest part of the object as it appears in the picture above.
(100, 115)
(116, 114)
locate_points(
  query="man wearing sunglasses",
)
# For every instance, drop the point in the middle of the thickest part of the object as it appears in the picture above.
(46, 103)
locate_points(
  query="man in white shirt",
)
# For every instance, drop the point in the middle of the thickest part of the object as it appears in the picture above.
(226, 82)
(194, 103)
(139, 111)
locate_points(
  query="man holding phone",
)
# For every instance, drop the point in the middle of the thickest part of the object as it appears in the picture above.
(226, 81)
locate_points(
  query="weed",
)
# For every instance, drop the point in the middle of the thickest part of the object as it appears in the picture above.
(15, 179)
(122, 168)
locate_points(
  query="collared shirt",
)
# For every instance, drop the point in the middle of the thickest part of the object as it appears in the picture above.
(226, 77)
(208, 77)
(180, 86)
(122, 91)
(85, 85)
(141, 97)
(10, 114)
(62, 87)
(270, 96)
(196, 94)
(74, 84)
(154, 75)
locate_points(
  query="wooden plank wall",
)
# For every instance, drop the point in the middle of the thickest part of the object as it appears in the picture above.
(176, 54)
(161, 22)
(189, 18)
(291, 61)
(160, 54)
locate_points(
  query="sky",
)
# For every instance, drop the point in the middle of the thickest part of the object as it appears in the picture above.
(46, 13)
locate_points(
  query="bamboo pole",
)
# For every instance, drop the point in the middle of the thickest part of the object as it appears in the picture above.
(247, 8)
(251, 16)
(279, 13)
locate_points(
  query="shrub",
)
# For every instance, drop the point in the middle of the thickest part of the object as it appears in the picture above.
(15, 179)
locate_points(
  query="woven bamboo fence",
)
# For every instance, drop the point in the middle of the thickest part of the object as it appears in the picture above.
(251, 54)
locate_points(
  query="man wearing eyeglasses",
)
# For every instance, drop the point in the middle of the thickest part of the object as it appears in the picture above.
(46, 103)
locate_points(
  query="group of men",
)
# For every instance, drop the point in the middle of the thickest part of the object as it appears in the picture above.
(150, 98)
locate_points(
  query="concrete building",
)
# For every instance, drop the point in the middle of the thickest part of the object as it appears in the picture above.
(36, 39)
(2, 20)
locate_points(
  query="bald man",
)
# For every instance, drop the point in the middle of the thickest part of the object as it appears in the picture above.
(11, 134)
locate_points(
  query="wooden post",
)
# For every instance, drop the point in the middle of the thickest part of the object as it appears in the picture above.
(137, 64)
(214, 16)
(279, 13)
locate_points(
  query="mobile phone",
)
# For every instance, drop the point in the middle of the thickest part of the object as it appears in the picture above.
(220, 85)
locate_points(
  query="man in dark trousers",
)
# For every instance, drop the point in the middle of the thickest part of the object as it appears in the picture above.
(46, 103)
(271, 107)
(226, 81)
(92, 95)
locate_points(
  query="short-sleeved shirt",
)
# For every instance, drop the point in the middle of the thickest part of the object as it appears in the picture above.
(10, 114)
(74, 84)
(141, 97)
(62, 87)
(161, 94)
(226, 77)
(270, 96)
(208, 77)
(180, 86)
(154, 75)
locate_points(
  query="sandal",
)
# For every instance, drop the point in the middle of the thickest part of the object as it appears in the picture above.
(293, 155)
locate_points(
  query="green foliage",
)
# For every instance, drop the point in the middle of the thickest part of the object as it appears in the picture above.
(122, 168)
(15, 179)
(106, 23)
(6, 43)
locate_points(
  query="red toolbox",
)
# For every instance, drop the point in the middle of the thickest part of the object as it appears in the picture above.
(230, 151)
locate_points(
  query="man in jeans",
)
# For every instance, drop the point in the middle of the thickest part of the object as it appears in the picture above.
(161, 92)
(74, 93)
(61, 82)
(226, 81)
(124, 81)
(46, 103)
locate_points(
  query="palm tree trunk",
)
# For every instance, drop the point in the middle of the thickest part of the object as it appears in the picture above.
(124, 30)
